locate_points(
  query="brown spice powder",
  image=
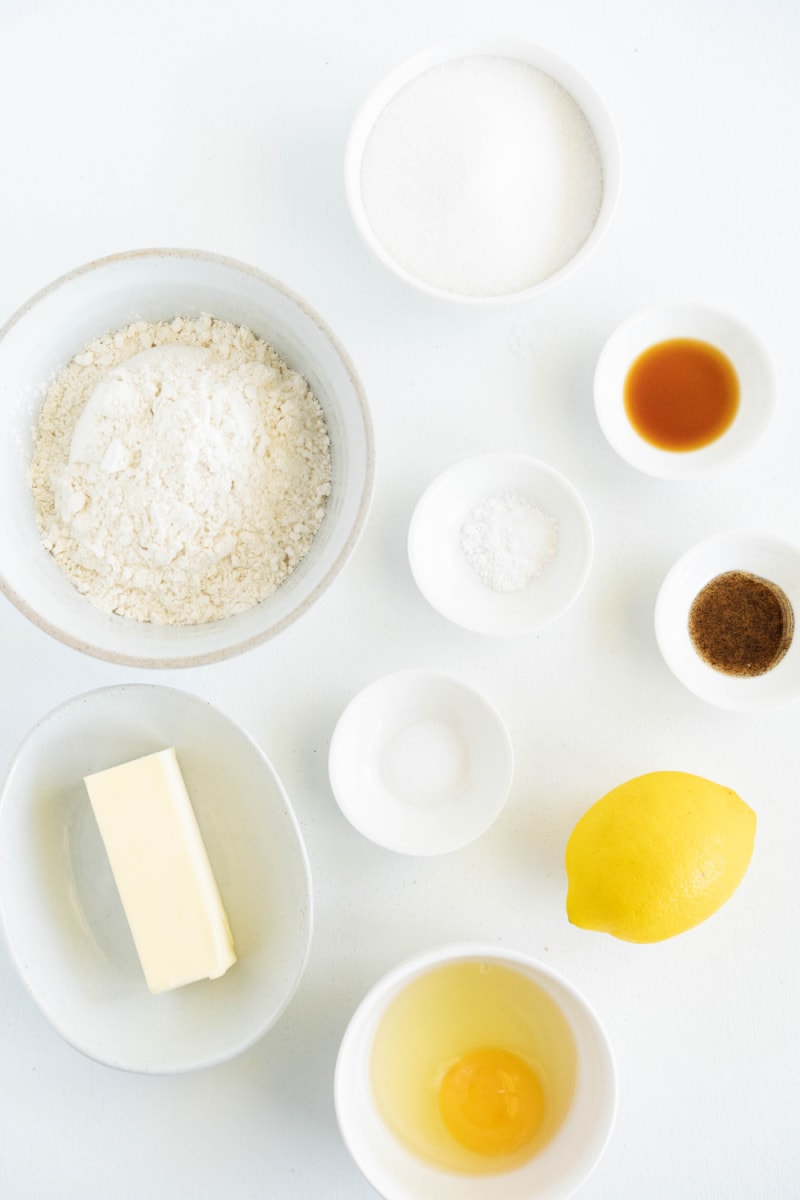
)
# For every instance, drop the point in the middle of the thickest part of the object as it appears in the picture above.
(741, 624)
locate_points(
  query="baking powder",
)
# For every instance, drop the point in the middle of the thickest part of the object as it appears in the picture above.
(508, 541)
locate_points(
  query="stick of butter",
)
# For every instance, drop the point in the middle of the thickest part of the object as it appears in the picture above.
(161, 870)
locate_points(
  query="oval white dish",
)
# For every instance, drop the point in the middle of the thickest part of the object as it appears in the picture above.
(63, 919)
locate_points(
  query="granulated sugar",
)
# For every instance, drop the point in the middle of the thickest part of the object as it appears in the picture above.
(482, 176)
(181, 470)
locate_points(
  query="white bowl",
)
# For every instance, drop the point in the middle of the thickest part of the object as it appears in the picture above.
(420, 762)
(448, 580)
(571, 81)
(154, 285)
(64, 924)
(761, 554)
(555, 1173)
(746, 353)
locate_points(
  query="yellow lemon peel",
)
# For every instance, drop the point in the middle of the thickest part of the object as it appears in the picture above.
(657, 855)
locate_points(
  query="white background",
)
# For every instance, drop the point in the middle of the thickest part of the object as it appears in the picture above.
(222, 127)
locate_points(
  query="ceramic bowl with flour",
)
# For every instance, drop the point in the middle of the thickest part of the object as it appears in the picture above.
(167, 535)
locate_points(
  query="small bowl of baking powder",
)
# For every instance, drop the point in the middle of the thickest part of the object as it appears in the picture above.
(500, 544)
(482, 171)
(188, 459)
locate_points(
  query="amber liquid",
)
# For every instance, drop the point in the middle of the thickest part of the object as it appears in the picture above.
(681, 394)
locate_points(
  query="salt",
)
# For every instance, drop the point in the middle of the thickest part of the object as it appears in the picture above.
(482, 176)
(424, 762)
(508, 541)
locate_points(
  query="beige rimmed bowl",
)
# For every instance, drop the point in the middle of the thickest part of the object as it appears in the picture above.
(155, 285)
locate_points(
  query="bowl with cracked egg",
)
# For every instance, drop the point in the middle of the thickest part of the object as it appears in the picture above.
(474, 1072)
(188, 462)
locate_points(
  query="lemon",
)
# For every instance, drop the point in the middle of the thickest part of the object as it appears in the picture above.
(657, 855)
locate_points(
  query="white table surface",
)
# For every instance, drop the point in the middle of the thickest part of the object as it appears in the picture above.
(222, 127)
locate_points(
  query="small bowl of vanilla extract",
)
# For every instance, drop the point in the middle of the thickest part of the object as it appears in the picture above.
(683, 391)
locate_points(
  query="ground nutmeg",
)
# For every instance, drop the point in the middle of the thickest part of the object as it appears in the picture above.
(741, 624)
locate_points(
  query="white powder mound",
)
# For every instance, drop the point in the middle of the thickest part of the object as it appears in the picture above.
(180, 471)
(508, 541)
(482, 176)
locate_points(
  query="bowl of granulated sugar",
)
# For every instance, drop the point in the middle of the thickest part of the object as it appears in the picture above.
(500, 544)
(482, 172)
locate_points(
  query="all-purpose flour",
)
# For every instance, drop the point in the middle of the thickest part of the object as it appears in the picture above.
(181, 470)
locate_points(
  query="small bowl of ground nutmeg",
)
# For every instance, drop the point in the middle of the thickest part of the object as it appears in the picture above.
(187, 461)
(725, 620)
(683, 391)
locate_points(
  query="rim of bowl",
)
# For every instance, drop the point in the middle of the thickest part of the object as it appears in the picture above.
(384, 682)
(205, 657)
(375, 1000)
(571, 79)
(22, 975)
(677, 465)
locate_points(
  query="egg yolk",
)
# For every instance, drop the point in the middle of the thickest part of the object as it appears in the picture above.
(491, 1101)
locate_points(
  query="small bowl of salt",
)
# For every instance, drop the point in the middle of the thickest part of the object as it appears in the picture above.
(482, 171)
(420, 762)
(500, 544)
